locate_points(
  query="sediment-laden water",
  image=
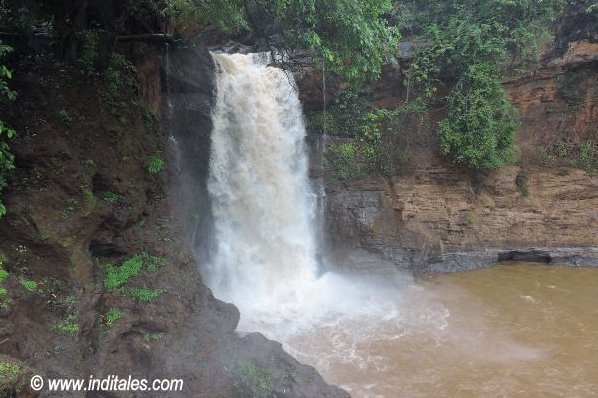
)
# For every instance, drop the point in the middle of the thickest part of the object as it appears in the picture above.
(519, 330)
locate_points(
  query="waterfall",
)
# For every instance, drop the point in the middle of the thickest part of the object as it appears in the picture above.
(261, 200)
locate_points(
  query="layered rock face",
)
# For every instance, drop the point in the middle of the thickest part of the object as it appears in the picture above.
(439, 217)
(83, 197)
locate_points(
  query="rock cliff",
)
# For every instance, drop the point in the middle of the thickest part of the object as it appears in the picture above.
(437, 216)
(83, 199)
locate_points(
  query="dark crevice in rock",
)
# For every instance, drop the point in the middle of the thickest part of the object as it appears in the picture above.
(531, 256)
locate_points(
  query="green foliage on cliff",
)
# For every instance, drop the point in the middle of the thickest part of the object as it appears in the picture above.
(117, 276)
(352, 38)
(476, 43)
(112, 316)
(6, 133)
(253, 381)
(481, 125)
(344, 160)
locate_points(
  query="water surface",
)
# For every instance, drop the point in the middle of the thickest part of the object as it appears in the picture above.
(518, 330)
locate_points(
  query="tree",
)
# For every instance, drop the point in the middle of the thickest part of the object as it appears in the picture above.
(480, 129)
(352, 38)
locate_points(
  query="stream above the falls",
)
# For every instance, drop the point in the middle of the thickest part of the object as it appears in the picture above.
(517, 330)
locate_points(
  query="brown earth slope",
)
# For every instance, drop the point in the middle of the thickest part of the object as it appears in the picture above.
(82, 197)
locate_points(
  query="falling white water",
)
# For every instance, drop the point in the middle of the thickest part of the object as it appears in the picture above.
(259, 187)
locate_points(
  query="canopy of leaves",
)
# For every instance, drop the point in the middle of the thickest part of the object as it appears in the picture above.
(351, 37)
(458, 33)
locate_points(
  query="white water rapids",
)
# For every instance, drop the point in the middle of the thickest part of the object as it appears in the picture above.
(376, 336)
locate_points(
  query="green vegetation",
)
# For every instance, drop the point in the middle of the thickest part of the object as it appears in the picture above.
(6, 133)
(68, 301)
(378, 140)
(149, 337)
(476, 43)
(29, 285)
(3, 275)
(352, 38)
(65, 116)
(253, 381)
(112, 316)
(110, 197)
(10, 374)
(481, 125)
(155, 163)
(117, 276)
(465, 50)
(343, 158)
(142, 294)
(588, 157)
(69, 325)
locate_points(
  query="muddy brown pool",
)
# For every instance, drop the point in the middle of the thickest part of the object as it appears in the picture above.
(517, 330)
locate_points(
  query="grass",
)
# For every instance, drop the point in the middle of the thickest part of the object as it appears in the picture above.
(112, 316)
(117, 276)
(143, 294)
(69, 325)
(29, 285)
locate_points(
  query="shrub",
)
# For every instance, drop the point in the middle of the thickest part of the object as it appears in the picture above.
(112, 316)
(155, 163)
(30, 286)
(481, 126)
(110, 197)
(253, 381)
(3, 275)
(69, 325)
(65, 116)
(343, 158)
(587, 157)
(143, 294)
(117, 276)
